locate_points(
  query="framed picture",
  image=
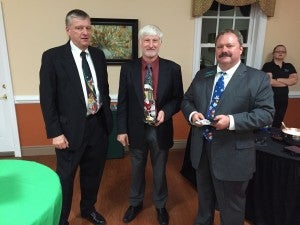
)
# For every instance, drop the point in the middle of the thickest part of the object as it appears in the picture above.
(117, 38)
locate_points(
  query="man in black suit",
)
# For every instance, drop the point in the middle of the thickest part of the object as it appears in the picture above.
(76, 107)
(145, 124)
(223, 153)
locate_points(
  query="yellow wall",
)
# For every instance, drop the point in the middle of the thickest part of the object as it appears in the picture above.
(33, 26)
(283, 28)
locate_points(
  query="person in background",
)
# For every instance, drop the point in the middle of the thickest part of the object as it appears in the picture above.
(150, 93)
(223, 153)
(75, 102)
(282, 75)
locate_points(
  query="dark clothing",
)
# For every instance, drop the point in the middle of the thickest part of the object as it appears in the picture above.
(64, 111)
(90, 157)
(227, 196)
(283, 72)
(131, 102)
(281, 94)
(143, 137)
(159, 159)
(280, 105)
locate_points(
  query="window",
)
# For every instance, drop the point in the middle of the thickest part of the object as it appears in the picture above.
(249, 20)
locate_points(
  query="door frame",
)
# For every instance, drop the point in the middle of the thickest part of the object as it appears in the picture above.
(9, 90)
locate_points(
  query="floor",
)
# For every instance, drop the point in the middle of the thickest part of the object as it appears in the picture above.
(113, 194)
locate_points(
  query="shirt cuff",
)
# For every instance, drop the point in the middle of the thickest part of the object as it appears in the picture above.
(191, 115)
(231, 123)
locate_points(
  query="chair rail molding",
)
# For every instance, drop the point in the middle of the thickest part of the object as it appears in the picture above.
(32, 99)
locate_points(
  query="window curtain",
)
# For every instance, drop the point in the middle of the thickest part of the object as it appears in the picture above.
(201, 6)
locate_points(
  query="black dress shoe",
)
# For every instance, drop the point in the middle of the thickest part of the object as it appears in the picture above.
(95, 218)
(131, 213)
(162, 216)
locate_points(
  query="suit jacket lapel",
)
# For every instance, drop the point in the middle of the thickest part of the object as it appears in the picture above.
(72, 71)
(206, 87)
(98, 69)
(162, 79)
(136, 78)
(234, 82)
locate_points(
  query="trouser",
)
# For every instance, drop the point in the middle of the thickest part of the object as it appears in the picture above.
(228, 196)
(90, 157)
(280, 110)
(158, 161)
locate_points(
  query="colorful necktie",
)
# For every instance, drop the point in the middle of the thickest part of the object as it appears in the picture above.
(93, 105)
(218, 90)
(149, 101)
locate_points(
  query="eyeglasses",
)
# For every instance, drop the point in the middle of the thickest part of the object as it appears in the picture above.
(280, 52)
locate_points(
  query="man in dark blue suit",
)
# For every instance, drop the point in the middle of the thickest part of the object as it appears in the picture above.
(75, 104)
(223, 153)
(146, 104)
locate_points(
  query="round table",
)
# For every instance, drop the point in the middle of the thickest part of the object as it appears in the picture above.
(30, 193)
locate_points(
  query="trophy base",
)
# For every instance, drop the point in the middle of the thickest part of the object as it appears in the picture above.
(150, 122)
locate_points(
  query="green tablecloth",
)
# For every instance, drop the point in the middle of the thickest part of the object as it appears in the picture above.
(30, 194)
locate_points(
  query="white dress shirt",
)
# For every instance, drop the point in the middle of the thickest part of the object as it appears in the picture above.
(227, 77)
(78, 60)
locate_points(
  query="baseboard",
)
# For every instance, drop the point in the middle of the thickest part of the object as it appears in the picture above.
(49, 150)
(37, 150)
(6, 154)
(179, 144)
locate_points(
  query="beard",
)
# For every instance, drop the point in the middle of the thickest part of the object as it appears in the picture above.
(150, 53)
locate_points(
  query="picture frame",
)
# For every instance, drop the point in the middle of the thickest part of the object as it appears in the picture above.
(117, 38)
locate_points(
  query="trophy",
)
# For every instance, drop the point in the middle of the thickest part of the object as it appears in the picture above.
(149, 107)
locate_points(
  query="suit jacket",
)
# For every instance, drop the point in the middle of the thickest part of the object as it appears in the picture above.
(248, 97)
(130, 110)
(61, 94)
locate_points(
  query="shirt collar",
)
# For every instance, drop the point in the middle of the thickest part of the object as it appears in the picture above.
(231, 71)
(276, 64)
(144, 63)
(77, 50)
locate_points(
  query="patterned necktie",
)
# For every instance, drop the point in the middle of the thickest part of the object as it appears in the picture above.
(149, 101)
(210, 115)
(92, 106)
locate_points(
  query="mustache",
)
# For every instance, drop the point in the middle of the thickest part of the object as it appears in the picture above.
(224, 54)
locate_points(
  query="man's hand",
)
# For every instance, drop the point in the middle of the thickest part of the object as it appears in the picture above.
(196, 117)
(221, 122)
(270, 75)
(60, 142)
(123, 139)
(160, 118)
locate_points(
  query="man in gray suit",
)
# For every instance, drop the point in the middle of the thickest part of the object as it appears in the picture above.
(225, 162)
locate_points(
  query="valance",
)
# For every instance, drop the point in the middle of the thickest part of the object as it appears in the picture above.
(201, 6)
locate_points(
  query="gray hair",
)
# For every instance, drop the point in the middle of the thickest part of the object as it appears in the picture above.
(235, 32)
(76, 13)
(150, 30)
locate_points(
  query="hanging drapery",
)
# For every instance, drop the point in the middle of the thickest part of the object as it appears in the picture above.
(201, 6)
